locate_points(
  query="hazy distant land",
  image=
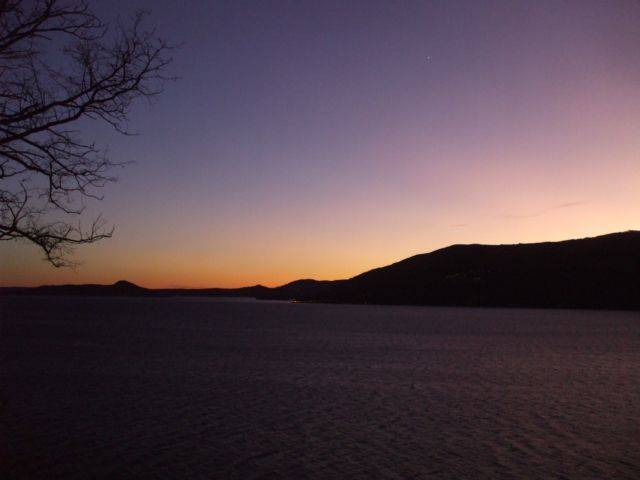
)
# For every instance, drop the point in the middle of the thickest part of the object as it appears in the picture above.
(601, 272)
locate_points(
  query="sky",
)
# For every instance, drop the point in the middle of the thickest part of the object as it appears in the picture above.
(322, 139)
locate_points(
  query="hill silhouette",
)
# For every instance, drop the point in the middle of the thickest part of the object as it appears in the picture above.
(121, 287)
(601, 272)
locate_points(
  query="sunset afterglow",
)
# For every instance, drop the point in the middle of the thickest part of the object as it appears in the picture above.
(303, 141)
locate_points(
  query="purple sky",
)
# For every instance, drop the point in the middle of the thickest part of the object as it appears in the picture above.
(320, 139)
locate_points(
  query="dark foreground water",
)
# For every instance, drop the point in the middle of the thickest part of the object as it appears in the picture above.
(178, 388)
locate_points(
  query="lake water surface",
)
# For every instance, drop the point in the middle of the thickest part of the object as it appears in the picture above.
(174, 388)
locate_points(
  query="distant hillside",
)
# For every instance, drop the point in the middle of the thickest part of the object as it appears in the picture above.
(128, 289)
(119, 288)
(599, 272)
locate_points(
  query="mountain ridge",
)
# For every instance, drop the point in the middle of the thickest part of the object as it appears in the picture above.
(601, 272)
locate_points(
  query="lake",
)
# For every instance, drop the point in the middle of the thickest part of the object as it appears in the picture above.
(196, 387)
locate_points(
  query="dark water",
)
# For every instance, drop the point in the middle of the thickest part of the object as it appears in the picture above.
(180, 388)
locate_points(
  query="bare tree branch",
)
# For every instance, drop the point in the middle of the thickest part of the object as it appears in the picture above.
(94, 73)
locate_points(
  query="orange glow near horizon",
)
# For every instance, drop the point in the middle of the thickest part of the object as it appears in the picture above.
(190, 271)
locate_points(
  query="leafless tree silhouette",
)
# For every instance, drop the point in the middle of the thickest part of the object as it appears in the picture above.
(60, 65)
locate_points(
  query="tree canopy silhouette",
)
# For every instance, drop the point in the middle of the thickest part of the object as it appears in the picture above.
(59, 66)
